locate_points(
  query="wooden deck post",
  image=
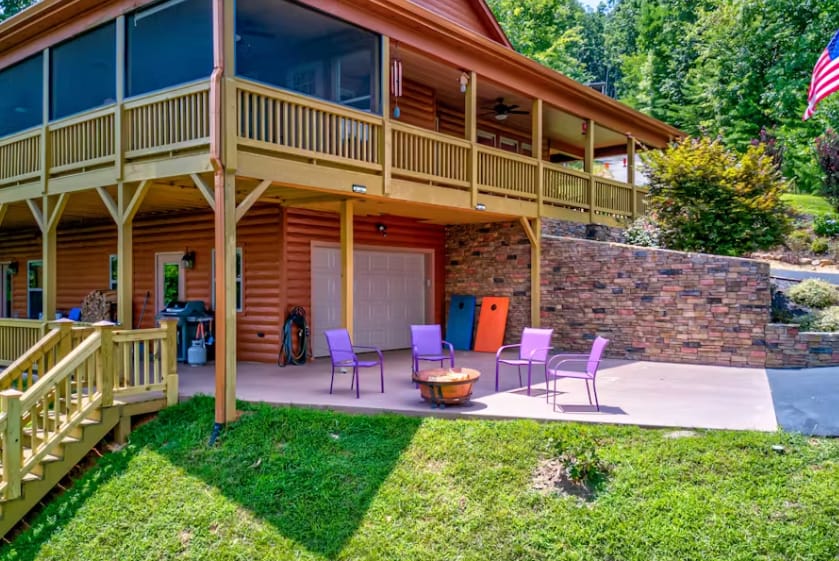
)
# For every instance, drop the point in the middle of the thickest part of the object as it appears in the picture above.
(533, 230)
(386, 143)
(630, 173)
(347, 264)
(47, 217)
(12, 453)
(105, 365)
(225, 244)
(471, 130)
(169, 359)
(588, 167)
(536, 133)
(65, 342)
(129, 199)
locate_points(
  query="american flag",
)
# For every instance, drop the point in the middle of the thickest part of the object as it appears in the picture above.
(825, 76)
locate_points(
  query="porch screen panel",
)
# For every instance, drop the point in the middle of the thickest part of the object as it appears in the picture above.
(283, 44)
(83, 72)
(21, 88)
(168, 43)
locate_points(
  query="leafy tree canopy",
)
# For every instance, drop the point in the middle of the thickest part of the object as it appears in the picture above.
(9, 8)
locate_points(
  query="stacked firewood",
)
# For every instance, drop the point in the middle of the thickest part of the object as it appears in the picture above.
(98, 306)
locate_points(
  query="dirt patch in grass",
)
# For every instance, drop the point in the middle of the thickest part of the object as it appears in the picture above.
(551, 476)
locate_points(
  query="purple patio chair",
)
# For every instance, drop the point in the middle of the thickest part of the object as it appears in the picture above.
(555, 371)
(427, 344)
(343, 355)
(533, 349)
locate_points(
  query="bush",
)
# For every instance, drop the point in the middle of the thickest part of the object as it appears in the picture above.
(819, 246)
(644, 232)
(707, 198)
(827, 151)
(827, 225)
(825, 320)
(799, 240)
(814, 293)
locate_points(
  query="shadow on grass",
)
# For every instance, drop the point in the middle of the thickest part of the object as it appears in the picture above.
(310, 474)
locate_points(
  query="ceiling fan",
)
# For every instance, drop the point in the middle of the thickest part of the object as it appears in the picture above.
(501, 110)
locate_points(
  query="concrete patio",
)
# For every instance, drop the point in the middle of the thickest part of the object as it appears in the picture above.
(637, 393)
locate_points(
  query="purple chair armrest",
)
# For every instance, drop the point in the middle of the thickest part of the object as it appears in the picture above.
(534, 351)
(504, 348)
(376, 349)
(551, 364)
(450, 346)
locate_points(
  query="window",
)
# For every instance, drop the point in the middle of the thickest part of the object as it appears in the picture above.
(509, 144)
(83, 72)
(526, 149)
(168, 43)
(22, 97)
(112, 278)
(239, 290)
(35, 289)
(293, 47)
(486, 138)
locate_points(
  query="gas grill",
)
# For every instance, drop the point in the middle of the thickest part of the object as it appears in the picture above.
(189, 315)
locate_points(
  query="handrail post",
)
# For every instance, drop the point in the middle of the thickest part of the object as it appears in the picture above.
(65, 341)
(12, 452)
(169, 360)
(105, 374)
(630, 174)
(588, 166)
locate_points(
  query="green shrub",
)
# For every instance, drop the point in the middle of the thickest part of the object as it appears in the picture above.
(827, 151)
(710, 199)
(644, 232)
(819, 246)
(825, 320)
(814, 293)
(827, 225)
(799, 240)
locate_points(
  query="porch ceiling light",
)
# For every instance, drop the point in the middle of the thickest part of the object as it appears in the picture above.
(359, 188)
(500, 116)
(480, 206)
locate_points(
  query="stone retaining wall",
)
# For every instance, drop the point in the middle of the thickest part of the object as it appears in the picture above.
(787, 347)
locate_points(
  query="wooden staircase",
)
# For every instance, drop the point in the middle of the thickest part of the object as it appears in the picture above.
(68, 392)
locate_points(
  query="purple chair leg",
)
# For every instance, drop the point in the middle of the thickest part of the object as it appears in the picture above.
(332, 381)
(496, 376)
(596, 402)
(357, 383)
(382, 375)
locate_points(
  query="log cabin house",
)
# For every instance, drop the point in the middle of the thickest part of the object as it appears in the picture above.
(261, 154)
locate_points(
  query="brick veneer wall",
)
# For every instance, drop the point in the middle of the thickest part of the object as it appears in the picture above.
(787, 347)
(491, 260)
(652, 304)
(655, 304)
(583, 231)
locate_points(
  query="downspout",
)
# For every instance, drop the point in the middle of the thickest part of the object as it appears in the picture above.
(216, 139)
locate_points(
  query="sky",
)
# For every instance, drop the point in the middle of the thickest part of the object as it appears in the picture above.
(590, 3)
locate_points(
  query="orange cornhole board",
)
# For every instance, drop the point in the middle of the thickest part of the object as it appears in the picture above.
(491, 323)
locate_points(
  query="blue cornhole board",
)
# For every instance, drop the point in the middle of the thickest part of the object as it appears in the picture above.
(461, 322)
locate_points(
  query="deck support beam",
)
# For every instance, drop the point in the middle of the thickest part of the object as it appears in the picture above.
(386, 145)
(588, 167)
(536, 133)
(225, 289)
(533, 229)
(47, 218)
(630, 173)
(471, 130)
(129, 200)
(347, 265)
(3, 209)
(251, 199)
(205, 190)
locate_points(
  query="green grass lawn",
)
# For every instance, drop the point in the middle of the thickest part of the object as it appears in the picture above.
(813, 205)
(307, 484)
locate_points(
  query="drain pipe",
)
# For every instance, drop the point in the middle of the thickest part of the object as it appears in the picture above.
(216, 139)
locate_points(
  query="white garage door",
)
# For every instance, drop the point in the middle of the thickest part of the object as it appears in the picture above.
(389, 296)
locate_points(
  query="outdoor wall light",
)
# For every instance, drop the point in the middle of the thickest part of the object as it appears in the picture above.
(480, 206)
(382, 229)
(12, 267)
(463, 81)
(188, 259)
(359, 188)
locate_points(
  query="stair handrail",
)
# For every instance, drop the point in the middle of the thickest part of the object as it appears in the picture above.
(64, 396)
(21, 374)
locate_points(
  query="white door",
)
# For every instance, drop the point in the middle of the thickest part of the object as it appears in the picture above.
(169, 279)
(388, 290)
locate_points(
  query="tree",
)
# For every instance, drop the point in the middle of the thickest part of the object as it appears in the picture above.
(707, 198)
(8, 8)
(827, 148)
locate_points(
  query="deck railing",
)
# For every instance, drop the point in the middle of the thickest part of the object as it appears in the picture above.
(612, 197)
(17, 336)
(172, 120)
(294, 124)
(566, 187)
(430, 157)
(20, 157)
(504, 173)
(76, 372)
(82, 141)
